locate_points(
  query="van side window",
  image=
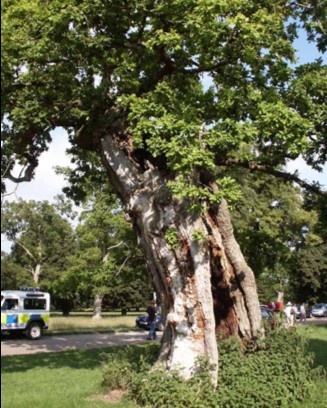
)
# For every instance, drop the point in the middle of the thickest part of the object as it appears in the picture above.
(34, 304)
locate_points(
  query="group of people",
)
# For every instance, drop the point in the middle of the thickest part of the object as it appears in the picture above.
(291, 311)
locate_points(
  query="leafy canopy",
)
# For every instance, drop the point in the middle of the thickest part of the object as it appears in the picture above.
(196, 84)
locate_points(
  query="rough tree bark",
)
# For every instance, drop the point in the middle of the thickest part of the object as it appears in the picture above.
(203, 282)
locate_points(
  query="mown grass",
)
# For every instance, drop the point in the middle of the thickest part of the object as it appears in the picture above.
(82, 322)
(317, 336)
(73, 379)
(54, 380)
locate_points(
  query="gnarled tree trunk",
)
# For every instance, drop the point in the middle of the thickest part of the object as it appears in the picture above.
(196, 264)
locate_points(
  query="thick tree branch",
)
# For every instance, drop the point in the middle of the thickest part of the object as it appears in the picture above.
(28, 252)
(106, 256)
(277, 173)
(122, 265)
(28, 170)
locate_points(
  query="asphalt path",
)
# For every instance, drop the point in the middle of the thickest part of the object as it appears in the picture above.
(49, 344)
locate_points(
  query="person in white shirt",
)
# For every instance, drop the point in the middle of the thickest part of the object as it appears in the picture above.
(289, 315)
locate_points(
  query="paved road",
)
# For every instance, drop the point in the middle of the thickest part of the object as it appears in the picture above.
(316, 320)
(47, 344)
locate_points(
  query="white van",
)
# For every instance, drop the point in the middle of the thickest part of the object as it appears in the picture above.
(26, 310)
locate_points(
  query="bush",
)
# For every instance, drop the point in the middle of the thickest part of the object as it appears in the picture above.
(157, 389)
(274, 373)
(121, 366)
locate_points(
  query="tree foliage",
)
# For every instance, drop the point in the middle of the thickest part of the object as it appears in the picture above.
(71, 64)
(13, 275)
(41, 239)
(274, 227)
(308, 276)
(108, 262)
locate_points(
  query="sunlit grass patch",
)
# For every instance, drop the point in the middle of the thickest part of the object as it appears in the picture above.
(52, 380)
(76, 323)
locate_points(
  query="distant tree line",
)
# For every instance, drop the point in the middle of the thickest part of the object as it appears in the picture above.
(98, 264)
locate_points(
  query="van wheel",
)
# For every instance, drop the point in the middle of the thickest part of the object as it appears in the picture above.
(34, 331)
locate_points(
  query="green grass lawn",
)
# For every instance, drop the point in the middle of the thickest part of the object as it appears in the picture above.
(83, 322)
(53, 380)
(317, 336)
(73, 379)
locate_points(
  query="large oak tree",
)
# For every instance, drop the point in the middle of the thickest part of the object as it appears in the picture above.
(169, 94)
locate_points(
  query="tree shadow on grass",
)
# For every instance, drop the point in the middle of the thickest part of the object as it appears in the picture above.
(77, 359)
(318, 346)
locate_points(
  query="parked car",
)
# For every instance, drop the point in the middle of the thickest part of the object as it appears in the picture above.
(319, 310)
(142, 323)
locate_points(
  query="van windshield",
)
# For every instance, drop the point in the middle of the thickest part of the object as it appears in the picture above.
(9, 304)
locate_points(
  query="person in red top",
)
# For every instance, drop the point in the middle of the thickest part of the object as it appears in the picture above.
(151, 311)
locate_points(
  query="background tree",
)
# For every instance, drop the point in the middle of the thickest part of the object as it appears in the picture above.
(126, 80)
(13, 275)
(108, 260)
(271, 223)
(308, 279)
(41, 239)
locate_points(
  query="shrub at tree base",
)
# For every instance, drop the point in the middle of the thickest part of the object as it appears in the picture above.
(276, 373)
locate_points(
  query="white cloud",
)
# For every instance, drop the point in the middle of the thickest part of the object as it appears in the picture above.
(46, 183)
(307, 173)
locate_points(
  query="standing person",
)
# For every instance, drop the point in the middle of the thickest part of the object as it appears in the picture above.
(294, 312)
(288, 314)
(303, 317)
(151, 311)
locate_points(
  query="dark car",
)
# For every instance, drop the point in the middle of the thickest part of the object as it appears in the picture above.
(142, 323)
